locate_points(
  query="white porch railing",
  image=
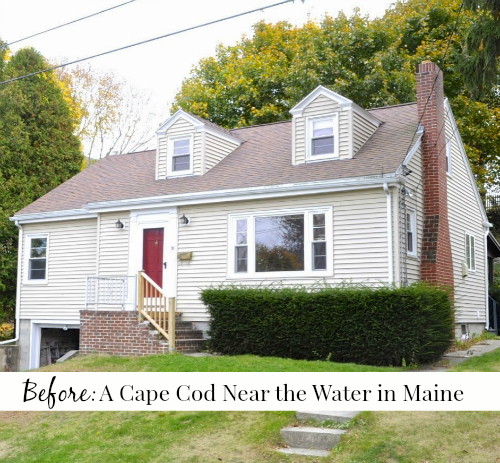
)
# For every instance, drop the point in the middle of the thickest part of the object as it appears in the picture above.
(131, 293)
(112, 292)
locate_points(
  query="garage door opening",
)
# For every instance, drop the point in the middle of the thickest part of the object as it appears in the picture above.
(55, 342)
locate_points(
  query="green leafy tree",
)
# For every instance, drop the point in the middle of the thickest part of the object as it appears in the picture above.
(372, 62)
(38, 150)
(480, 64)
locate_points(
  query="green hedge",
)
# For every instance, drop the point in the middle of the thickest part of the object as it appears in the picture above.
(373, 326)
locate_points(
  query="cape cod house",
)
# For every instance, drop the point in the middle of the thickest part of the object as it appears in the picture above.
(337, 194)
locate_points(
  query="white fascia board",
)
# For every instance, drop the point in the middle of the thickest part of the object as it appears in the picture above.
(243, 194)
(414, 149)
(198, 126)
(40, 217)
(461, 147)
(298, 109)
(180, 113)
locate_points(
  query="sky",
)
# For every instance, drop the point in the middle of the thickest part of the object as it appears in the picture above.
(158, 67)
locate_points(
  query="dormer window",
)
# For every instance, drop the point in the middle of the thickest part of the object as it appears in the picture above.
(180, 156)
(322, 137)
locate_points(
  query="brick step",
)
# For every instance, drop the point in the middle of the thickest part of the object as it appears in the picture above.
(190, 345)
(188, 334)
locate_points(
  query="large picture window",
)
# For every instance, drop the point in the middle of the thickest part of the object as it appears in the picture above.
(280, 243)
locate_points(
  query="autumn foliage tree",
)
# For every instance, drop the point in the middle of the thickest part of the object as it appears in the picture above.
(372, 62)
(38, 149)
(112, 116)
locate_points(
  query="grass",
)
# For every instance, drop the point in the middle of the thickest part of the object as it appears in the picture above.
(177, 362)
(242, 437)
(486, 362)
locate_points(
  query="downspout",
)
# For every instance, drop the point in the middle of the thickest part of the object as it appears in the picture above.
(390, 233)
(486, 226)
(18, 285)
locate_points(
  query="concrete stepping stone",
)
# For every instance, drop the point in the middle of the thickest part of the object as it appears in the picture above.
(311, 438)
(305, 452)
(339, 417)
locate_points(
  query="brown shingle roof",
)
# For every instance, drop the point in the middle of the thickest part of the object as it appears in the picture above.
(264, 159)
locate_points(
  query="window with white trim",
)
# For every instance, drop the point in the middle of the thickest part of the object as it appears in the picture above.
(180, 156)
(36, 259)
(448, 157)
(281, 243)
(322, 137)
(470, 251)
(411, 233)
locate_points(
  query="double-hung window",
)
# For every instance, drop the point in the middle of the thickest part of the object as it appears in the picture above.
(411, 233)
(470, 251)
(281, 243)
(322, 134)
(36, 259)
(180, 156)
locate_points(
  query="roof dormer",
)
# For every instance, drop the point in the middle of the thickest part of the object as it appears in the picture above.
(189, 145)
(328, 126)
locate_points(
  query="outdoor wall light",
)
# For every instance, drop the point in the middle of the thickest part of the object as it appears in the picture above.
(183, 220)
(119, 224)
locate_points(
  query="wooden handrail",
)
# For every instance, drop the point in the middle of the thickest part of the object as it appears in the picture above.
(152, 305)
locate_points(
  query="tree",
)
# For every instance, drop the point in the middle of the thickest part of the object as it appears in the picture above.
(38, 150)
(480, 64)
(113, 117)
(372, 62)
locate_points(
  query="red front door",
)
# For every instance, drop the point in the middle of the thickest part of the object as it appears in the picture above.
(152, 261)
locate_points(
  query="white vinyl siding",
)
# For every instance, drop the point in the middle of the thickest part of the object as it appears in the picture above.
(72, 256)
(179, 128)
(415, 202)
(113, 244)
(361, 132)
(319, 107)
(465, 217)
(216, 149)
(359, 241)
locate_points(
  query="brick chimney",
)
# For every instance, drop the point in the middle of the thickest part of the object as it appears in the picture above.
(436, 261)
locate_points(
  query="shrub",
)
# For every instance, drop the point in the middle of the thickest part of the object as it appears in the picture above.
(374, 326)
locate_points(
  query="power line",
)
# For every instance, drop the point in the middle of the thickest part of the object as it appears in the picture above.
(146, 41)
(436, 78)
(68, 23)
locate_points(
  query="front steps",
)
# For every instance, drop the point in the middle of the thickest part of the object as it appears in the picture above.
(188, 339)
(312, 441)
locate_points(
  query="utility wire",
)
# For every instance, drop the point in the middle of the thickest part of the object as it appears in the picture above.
(146, 41)
(436, 78)
(68, 23)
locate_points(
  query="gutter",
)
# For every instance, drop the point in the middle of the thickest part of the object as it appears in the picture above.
(18, 286)
(91, 210)
(390, 233)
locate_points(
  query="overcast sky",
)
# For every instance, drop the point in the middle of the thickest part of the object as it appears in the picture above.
(158, 67)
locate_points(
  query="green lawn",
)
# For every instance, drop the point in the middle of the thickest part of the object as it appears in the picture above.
(242, 437)
(486, 362)
(177, 362)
